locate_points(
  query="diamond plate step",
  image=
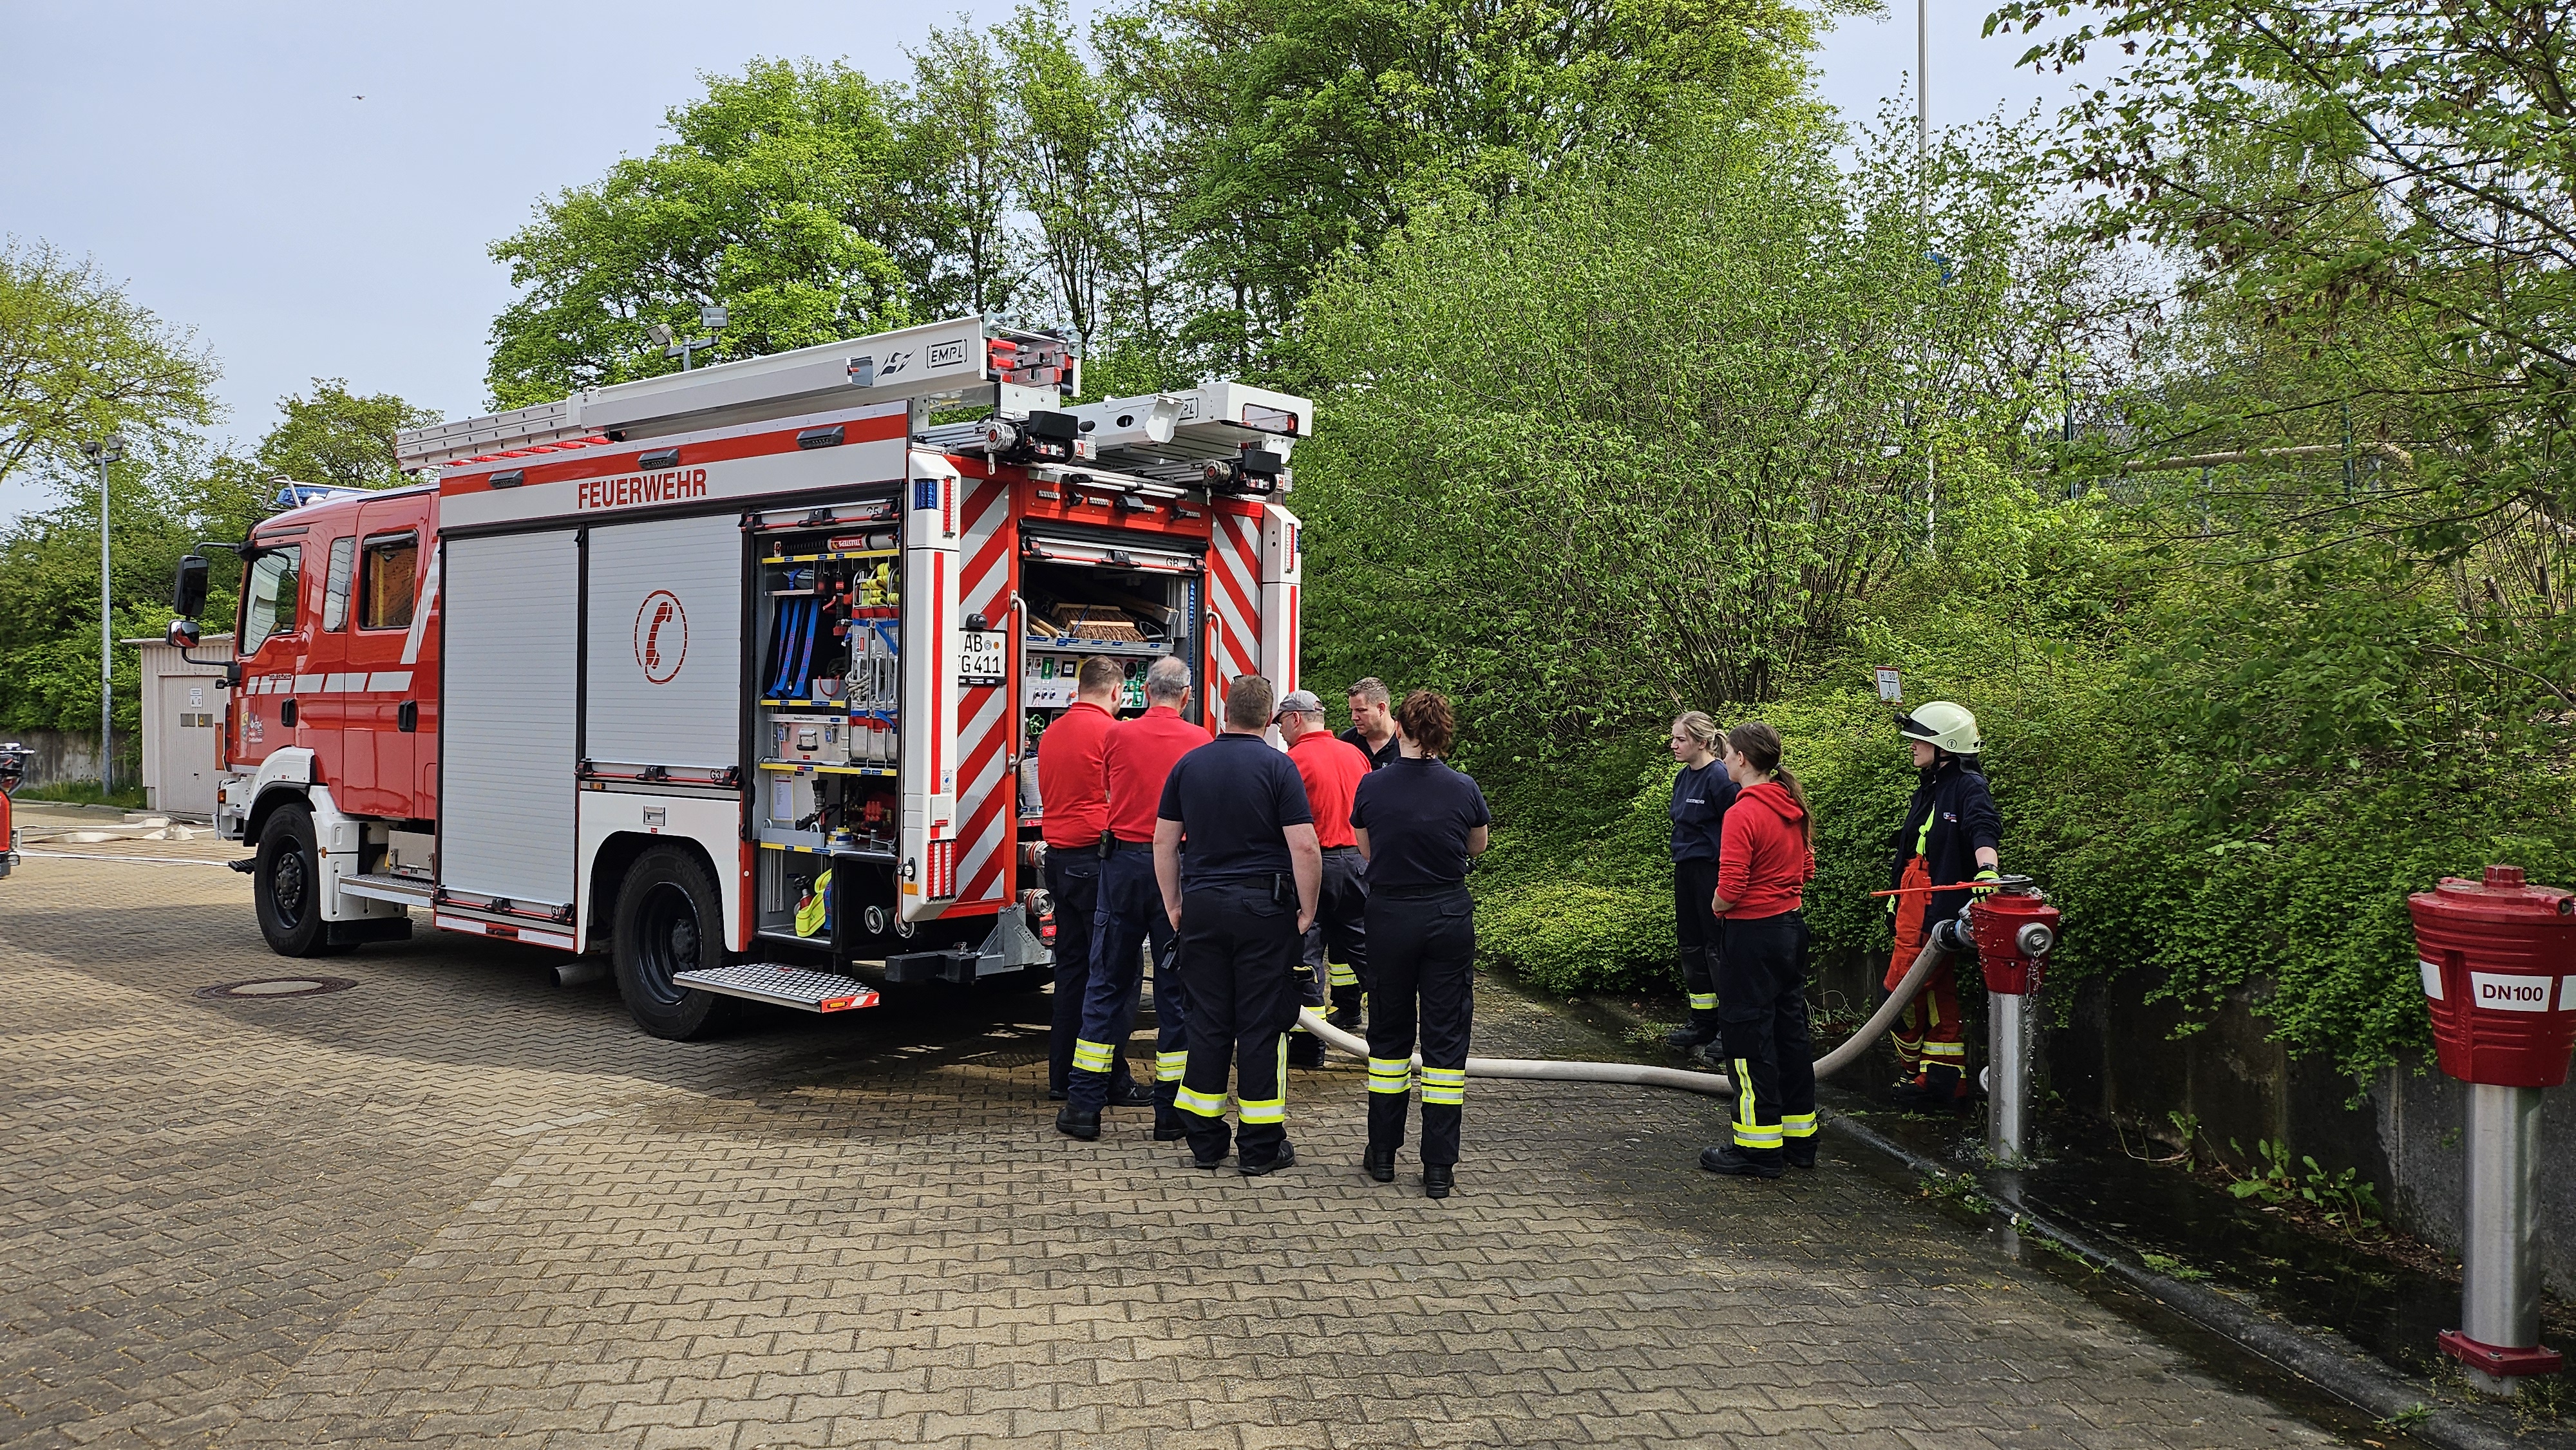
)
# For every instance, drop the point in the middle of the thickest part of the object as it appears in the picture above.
(803, 988)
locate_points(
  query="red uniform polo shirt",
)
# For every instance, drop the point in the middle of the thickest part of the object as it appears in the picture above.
(1139, 754)
(1331, 769)
(1073, 786)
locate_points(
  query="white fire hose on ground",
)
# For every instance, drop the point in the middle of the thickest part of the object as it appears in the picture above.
(1716, 1084)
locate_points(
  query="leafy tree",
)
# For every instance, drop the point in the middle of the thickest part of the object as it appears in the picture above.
(776, 196)
(1063, 126)
(79, 359)
(957, 176)
(1646, 441)
(1312, 125)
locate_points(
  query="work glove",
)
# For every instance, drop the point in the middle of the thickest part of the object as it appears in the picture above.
(1985, 880)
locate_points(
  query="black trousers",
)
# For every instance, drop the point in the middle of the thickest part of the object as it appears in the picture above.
(1239, 965)
(1128, 919)
(1073, 879)
(1337, 944)
(1762, 1014)
(1422, 973)
(1698, 928)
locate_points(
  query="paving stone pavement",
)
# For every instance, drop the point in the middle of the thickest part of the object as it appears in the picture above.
(457, 1205)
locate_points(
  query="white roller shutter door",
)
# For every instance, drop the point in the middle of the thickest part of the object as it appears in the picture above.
(506, 718)
(666, 644)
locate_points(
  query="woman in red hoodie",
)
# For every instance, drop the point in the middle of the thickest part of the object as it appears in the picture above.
(1766, 854)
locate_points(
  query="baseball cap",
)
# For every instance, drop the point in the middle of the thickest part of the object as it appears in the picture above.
(1299, 702)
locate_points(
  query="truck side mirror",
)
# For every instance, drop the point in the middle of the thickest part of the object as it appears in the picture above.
(184, 633)
(188, 590)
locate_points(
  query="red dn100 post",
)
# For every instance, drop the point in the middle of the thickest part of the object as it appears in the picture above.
(2498, 959)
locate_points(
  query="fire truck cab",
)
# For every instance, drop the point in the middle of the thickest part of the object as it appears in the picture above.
(739, 672)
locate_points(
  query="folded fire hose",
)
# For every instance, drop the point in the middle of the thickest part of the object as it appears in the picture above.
(1716, 1084)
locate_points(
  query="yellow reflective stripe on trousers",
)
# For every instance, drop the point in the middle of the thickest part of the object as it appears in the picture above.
(1444, 1086)
(1341, 974)
(1703, 1001)
(1748, 1133)
(1390, 1074)
(1092, 1056)
(1946, 1049)
(1267, 1110)
(1798, 1125)
(1168, 1066)
(1206, 1105)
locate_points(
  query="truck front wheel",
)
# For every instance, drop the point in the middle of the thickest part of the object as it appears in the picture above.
(669, 920)
(287, 885)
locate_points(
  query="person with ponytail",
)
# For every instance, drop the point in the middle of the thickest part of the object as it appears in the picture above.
(1767, 854)
(1419, 823)
(1701, 794)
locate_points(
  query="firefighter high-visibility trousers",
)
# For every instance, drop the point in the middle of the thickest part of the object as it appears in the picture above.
(1422, 956)
(1239, 965)
(1927, 1028)
(1762, 1012)
(1696, 926)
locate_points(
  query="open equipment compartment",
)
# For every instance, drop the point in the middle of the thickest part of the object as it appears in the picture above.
(827, 711)
(1080, 597)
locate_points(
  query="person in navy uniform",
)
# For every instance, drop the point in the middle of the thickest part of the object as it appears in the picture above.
(1241, 898)
(1702, 791)
(1419, 822)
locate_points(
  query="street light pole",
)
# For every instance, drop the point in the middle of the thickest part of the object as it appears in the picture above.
(110, 449)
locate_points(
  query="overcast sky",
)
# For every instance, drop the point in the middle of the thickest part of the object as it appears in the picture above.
(219, 159)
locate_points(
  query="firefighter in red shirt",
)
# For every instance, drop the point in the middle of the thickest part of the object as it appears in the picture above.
(1138, 755)
(1766, 855)
(1332, 769)
(1073, 795)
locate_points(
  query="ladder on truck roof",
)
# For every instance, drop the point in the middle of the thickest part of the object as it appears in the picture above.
(974, 361)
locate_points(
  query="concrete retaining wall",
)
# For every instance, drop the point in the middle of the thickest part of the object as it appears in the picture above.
(62, 756)
(2117, 1058)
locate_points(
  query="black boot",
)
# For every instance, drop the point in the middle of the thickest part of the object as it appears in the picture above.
(1741, 1162)
(1438, 1179)
(1286, 1157)
(1305, 1049)
(1073, 1122)
(1799, 1153)
(1702, 1027)
(1380, 1162)
(1130, 1094)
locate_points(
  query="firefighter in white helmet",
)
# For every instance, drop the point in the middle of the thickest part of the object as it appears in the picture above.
(1949, 840)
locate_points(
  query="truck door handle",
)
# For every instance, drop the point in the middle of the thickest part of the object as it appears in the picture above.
(407, 716)
(286, 714)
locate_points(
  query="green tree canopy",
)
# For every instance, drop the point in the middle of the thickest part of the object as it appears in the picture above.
(775, 196)
(79, 359)
(1312, 125)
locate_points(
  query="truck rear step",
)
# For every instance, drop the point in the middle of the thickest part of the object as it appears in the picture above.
(803, 988)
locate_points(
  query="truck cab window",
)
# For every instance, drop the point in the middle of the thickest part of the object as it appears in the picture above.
(335, 590)
(268, 600)
(389, 579)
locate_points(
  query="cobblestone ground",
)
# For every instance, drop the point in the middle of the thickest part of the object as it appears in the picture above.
(458, 1205)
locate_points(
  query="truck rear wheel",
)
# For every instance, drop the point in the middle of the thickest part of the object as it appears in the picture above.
(669, 920)
(286, 885)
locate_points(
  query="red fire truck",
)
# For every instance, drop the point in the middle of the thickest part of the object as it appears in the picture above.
(740, 670)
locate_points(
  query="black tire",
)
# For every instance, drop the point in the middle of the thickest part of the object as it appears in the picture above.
(669, 919)
(286, 885)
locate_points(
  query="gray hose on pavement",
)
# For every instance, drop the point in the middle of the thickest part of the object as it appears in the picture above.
(1716, 1084)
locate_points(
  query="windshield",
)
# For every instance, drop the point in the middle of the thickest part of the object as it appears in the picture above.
(268, 598)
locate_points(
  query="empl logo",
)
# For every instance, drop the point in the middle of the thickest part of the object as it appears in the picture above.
(661, 636)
